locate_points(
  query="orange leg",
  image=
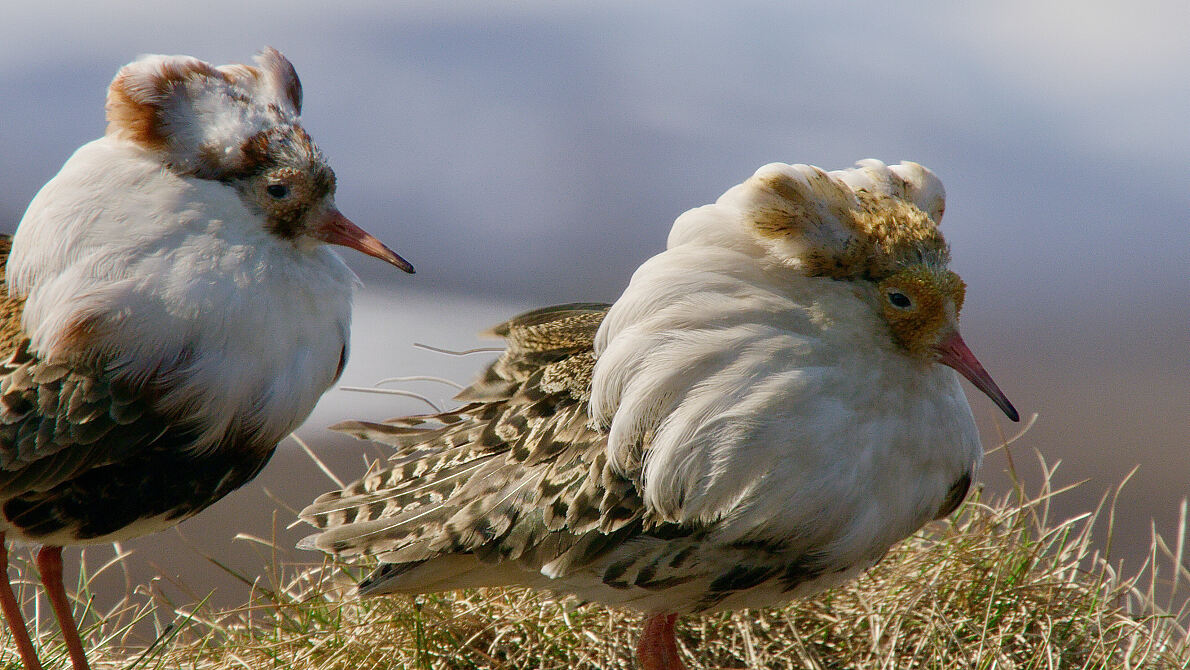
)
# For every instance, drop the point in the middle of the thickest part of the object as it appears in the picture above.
(49, 562)
(657, 649)
(13, 616)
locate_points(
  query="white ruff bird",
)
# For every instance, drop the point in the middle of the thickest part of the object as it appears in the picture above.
(770, 406)
(176, 312)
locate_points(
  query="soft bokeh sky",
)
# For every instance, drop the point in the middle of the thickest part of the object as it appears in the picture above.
(534, 152)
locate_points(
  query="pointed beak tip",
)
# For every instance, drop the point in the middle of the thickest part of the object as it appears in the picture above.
(338, 229)
(953, 352)
(394, 259)
(387, 255)
(375, 249)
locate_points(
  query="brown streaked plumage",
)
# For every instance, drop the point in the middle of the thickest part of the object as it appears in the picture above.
(512, 433)
(877, 234)
(762, 414)
(10, 306)
(179, 312)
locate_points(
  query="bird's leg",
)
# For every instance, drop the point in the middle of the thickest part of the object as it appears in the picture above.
(13, 616)
(49, 562)
(657, 649)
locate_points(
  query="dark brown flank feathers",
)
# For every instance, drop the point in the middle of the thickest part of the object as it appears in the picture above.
(518, 474)
(81, 453)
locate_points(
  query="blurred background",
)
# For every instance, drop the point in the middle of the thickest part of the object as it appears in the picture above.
(528, 153)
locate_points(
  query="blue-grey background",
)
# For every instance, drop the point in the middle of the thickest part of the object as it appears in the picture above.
(521, 154)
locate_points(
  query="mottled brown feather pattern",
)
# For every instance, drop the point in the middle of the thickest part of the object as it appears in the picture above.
(81, 454)
(879, 232)
(517, 473)
(11, 334)
(49, 409)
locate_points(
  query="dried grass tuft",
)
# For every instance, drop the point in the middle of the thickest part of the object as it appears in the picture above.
(1000, 585)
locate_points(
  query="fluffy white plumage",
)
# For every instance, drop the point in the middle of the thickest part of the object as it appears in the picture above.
(772, 403)
(174, 313)
(207, 121)
(179, 279)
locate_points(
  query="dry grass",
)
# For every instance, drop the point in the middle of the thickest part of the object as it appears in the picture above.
(1000, 586)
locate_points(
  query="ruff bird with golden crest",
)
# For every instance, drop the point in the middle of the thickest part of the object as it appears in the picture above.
(174, 311)
(770, 405)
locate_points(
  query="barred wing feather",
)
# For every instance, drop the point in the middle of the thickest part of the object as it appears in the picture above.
(516, 473)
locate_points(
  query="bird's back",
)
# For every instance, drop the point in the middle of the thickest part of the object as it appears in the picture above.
(10, 306)
(515, 487)
(515, 474)
(739, 429)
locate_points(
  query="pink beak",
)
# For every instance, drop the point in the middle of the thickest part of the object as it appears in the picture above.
(334, 228)
(953, 351)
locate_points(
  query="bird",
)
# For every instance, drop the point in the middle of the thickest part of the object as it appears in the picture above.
(173, 310)
(771, 404)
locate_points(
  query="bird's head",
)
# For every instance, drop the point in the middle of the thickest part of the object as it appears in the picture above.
(877, 226)
(921, 305)
(238, 125)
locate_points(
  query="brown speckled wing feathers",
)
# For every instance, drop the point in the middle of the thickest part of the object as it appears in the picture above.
(51, 414)
(516, 473)
(10, 307)
(83, 457)
(56, 422)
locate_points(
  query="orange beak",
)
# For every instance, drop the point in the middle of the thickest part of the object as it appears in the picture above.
(953, 351)
(334, 228)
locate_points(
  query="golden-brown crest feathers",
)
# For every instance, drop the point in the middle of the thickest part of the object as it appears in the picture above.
(863, 222)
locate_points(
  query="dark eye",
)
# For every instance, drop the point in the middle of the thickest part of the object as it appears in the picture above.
(277, 191)
(899, 300)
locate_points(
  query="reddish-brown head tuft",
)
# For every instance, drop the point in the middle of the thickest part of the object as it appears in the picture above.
(208, 121)
(138, 94)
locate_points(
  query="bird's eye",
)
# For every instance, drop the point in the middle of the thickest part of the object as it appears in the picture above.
(277, 191)
(899, 300)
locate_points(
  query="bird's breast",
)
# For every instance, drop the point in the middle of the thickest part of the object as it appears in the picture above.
(785, 410)
(173, 283)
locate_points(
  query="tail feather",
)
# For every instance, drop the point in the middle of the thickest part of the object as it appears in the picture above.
(514, 479)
